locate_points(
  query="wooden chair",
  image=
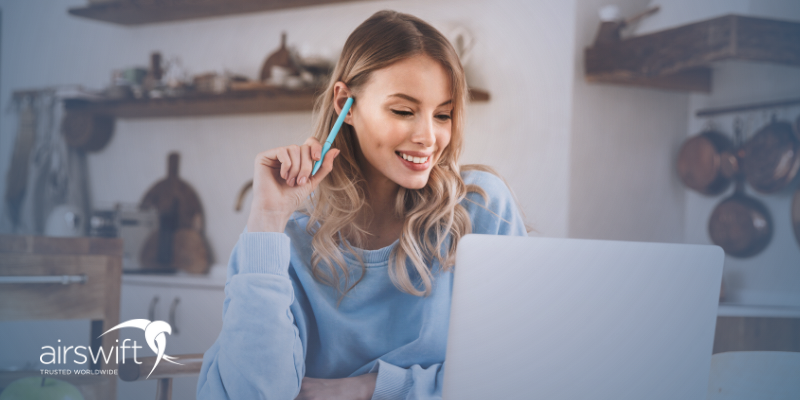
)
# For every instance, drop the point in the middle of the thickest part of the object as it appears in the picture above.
(129, 371)
(745, 375)
(48, 278)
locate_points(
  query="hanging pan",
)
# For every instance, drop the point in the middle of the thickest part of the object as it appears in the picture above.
(706, 162)
(771, 157)
(740, 224)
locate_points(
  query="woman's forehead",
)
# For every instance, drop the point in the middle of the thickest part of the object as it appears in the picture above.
(419, 79)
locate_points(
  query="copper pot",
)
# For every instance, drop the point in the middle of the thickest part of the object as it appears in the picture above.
(86, 131)
(771, 158)
(707, 163)
(740, 224)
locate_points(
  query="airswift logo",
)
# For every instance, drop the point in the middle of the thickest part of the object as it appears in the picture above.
(154, 335)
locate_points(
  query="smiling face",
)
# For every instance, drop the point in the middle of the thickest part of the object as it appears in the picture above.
(402, 119)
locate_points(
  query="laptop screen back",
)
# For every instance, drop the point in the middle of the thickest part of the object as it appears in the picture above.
(577, 319)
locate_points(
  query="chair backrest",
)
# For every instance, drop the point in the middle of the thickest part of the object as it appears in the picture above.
(750, 375)
(48, 278)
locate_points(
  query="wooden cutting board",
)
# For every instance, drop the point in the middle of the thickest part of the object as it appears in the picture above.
(171, 192)
(179, 242)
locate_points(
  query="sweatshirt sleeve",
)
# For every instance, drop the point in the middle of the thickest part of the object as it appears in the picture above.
(414, 383)
(497, 213)
(259, 353)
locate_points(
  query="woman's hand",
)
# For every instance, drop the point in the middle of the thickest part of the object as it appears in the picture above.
(355, 388)
(282, 181)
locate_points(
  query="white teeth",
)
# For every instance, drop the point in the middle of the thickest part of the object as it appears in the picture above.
(415, 160)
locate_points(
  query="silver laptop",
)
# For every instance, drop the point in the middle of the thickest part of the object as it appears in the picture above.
(544, 318)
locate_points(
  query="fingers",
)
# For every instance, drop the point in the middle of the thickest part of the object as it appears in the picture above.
(269, 158)
(327, 166)
(296, 163)
(316, 148)
(279, 158)
(306, 165)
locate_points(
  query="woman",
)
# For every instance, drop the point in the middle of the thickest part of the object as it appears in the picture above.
(349, 298)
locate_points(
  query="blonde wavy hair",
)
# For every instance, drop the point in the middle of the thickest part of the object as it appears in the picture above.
(434, 219)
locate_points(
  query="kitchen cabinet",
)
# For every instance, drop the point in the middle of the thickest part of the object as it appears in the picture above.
(192, 305)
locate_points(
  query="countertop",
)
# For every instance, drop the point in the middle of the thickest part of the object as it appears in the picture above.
(215, 278)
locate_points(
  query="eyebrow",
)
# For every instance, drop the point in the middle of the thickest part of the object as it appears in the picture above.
(413, 100)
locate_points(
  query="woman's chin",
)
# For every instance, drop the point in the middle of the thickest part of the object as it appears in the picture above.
(416, 182)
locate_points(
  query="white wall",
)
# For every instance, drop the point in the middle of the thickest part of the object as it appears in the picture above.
(624, 140)
(674, 13)
(523, 57)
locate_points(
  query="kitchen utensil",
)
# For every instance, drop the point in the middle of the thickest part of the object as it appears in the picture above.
(706, 162)
(463, 42)
(242, 192)
(190, 251)
(65, 220)
(103, 224)
(179, 208)
(157, 252)
(172, 188)
(281, 58)
(611, 25)
(86, 131)
(771, 157)
(211, 82)
(740, 224)
(169, 249)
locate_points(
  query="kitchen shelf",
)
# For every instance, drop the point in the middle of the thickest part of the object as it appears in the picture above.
(127, 12)
(681, 58)
(266, 100)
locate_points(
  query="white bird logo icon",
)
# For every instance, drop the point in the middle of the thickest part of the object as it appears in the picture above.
(154, 335)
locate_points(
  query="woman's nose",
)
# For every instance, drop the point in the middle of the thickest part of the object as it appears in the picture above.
(424, 133)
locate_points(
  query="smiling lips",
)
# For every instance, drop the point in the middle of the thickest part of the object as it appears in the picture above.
(413, 162)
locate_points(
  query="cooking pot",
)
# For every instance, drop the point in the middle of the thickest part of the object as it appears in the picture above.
(771, 157)
(706, 162)
(740, 224)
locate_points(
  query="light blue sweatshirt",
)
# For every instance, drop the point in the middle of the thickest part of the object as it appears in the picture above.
(280, 324)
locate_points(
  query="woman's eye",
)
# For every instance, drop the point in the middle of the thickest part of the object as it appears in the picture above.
(403, 113)
(443, 117)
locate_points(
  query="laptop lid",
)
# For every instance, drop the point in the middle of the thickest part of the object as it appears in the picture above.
(550, 318)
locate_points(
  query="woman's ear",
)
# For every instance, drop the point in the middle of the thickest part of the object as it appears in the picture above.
(340, 95)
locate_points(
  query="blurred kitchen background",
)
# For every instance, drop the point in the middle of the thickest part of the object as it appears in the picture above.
(589, 140)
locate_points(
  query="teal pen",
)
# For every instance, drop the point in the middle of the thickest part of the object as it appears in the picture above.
(332, 135)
